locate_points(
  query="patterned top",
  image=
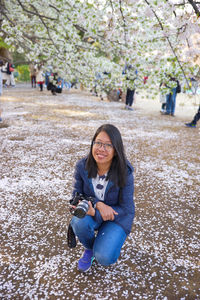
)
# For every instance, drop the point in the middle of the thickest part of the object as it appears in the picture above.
(100, 184)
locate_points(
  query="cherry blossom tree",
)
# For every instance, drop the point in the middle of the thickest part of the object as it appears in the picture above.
(83, 38)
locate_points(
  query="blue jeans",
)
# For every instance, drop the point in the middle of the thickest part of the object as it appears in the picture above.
(171, 102)
(67, 84)
(106, 244)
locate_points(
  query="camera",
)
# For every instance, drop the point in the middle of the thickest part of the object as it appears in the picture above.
(81, 208)
(82, 205)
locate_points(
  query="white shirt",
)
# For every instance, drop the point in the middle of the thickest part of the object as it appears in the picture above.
(99, 184)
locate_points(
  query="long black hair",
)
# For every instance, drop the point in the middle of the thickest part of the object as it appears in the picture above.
(118, 168)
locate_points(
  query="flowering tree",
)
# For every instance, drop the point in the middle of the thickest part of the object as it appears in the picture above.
(82, 38)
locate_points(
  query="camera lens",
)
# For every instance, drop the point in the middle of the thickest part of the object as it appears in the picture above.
(81, 209)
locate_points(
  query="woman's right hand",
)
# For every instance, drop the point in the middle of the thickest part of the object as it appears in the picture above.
(106, 211)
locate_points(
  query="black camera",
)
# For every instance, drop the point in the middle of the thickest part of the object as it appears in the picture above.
(82, 205)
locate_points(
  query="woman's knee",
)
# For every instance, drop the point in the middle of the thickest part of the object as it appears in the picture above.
(105, 258)
(108, 243)
(78, 224)
(81, 225)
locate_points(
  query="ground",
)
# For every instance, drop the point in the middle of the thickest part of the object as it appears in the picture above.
(42, 137)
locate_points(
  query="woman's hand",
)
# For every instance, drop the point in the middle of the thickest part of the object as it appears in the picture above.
(91, 210)
(106, 211)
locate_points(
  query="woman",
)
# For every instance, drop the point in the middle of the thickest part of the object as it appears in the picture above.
(107, 176)
(40, 78)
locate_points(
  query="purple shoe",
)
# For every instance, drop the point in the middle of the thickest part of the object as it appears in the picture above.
(86, 260)
(190, 125)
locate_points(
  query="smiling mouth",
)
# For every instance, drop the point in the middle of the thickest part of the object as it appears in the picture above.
(101, 155)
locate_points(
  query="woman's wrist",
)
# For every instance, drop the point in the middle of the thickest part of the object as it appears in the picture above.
(99, 204)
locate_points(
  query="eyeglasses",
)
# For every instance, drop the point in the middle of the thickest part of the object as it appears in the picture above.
(107, 147)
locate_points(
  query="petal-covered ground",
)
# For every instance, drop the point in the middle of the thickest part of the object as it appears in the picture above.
(41, 139)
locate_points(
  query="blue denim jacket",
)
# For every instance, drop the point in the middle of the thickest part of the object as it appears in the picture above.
(124, 207)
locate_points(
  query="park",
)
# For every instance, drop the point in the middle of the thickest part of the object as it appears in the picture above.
(42, 137)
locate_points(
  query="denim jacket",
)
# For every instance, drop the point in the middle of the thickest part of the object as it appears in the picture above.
(124, 207)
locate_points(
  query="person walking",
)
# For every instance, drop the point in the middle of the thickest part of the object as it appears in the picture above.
(107, 176)
(196, 118)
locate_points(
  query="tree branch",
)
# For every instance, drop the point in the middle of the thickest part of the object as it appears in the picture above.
(170, 44)
(33, 13)
(124, 21)
(194, 5)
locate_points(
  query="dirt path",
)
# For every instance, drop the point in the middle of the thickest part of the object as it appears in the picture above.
(41, 139)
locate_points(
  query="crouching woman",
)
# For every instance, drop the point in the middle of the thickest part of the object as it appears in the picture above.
(107, 176)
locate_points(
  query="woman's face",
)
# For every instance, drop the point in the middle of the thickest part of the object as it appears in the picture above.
(103, 150)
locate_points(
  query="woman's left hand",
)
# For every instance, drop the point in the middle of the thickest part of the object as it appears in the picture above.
(106, 211)
(91, 210)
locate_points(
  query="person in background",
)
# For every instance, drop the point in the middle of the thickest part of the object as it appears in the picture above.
(107, 176)
(194, 85)
(7, 70)
(12, 78)
(67, 84)
(196, 118)
(74, 83)
(54, 84)
(40, 77)
(171, 97)
(131, 76)
(33, 71)
(145, 79)
(129, 98)
(162, 98)
(48, 73)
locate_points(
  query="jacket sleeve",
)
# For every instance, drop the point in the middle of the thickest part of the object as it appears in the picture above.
(77, 181)
(126, 204)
